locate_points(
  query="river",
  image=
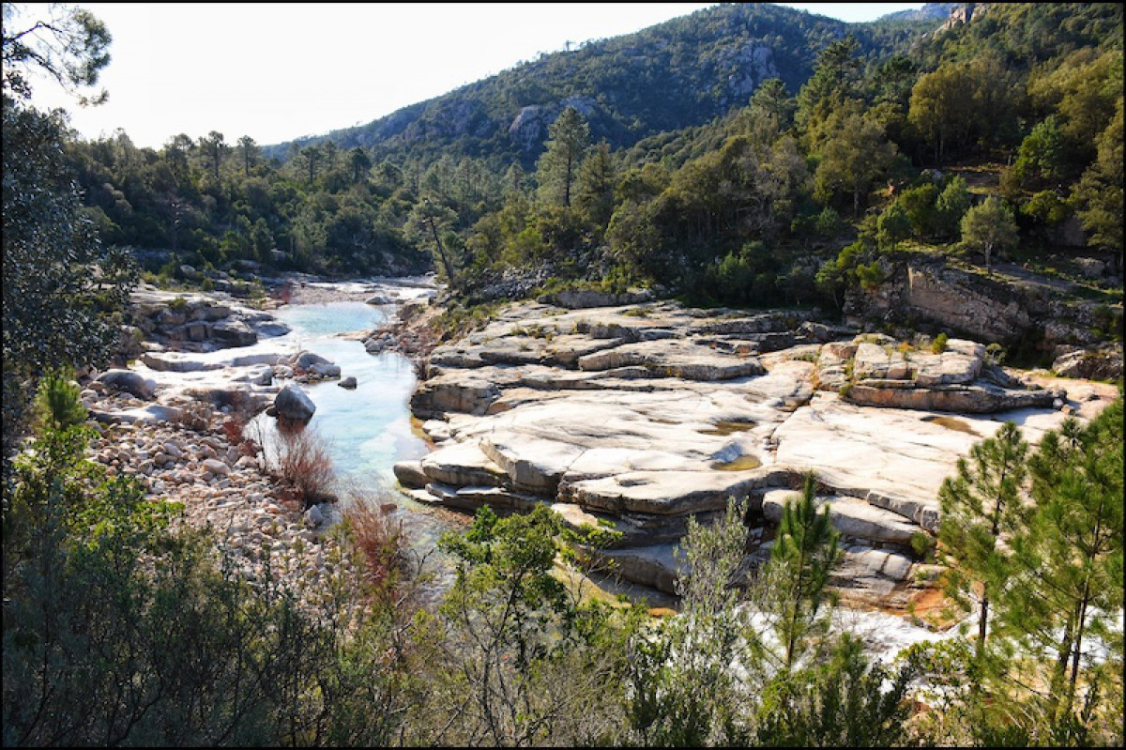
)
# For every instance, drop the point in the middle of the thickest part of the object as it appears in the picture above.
(368, 429)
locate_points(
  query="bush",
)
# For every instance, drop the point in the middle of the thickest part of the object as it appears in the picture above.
(938, 346)
(120, 631)
(302, 461)
(380, 543)
(57, 402)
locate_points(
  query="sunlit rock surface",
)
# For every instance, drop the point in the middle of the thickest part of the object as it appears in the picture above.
(646, 414)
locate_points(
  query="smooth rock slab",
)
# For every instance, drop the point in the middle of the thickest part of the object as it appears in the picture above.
(532, 464)
(655, 566)
(410, 474)
(462, 465)
(984, 398)
(891, 451)
(670, 492)
(679, 358)
(849, 516)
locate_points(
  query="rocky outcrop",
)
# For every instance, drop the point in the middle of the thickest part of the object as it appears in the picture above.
(198, 322)
(1011, 306)
(529, 128)
(1105, 364)
(902, 377)
(644, 415)
(955, 300)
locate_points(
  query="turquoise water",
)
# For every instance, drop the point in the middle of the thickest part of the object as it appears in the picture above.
(368, 429)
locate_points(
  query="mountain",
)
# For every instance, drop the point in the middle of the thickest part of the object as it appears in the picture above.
(930, 11)
(677, 74)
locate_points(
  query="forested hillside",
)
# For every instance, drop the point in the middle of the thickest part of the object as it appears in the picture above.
(673, 75)
(814, 150)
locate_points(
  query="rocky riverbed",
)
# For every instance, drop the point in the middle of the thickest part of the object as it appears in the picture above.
(637, 416)
(203, 364)
(632, 416)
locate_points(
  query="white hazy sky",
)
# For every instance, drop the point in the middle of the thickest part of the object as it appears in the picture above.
(280, 71)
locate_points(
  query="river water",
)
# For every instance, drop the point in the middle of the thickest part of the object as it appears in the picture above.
(366, 429)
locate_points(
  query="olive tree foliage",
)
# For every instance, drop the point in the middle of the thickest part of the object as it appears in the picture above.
(59, 282)
(855, 153)
(725, 672)
(513, 656)
(700, 646)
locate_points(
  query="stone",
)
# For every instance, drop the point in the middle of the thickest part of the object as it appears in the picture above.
(348, 382)
(314, 363)
(293, 403)
(313, 517)
(233, 333)
(461, 465)
(410, 474)
(129, 382)
(978, 398)
(1097, 364)
(1091, 268)
(216, 467)
(851, 517)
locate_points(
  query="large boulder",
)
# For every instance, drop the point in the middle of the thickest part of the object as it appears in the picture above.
(315, 363)
(1099, 365)
(294, 404)
(129, 382)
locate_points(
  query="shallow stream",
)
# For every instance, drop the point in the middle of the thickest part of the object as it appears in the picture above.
(366, 429)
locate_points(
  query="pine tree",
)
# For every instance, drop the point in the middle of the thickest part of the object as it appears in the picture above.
(558, 169)
(1069, 557)
(979, 505)
(804, 553)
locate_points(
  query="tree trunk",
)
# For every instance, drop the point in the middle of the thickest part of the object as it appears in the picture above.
(441, 251)
(981, 626)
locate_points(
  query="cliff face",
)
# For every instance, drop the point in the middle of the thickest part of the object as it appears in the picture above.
(988, 309)
(1011, 307)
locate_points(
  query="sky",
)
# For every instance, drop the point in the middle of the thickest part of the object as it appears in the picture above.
(280, 71)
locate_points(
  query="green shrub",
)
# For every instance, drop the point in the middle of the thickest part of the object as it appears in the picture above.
(57, 402)
(938, 346)
(923, 545)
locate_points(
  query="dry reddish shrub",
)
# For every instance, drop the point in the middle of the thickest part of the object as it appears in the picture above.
(381, 545)
(303, 463)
